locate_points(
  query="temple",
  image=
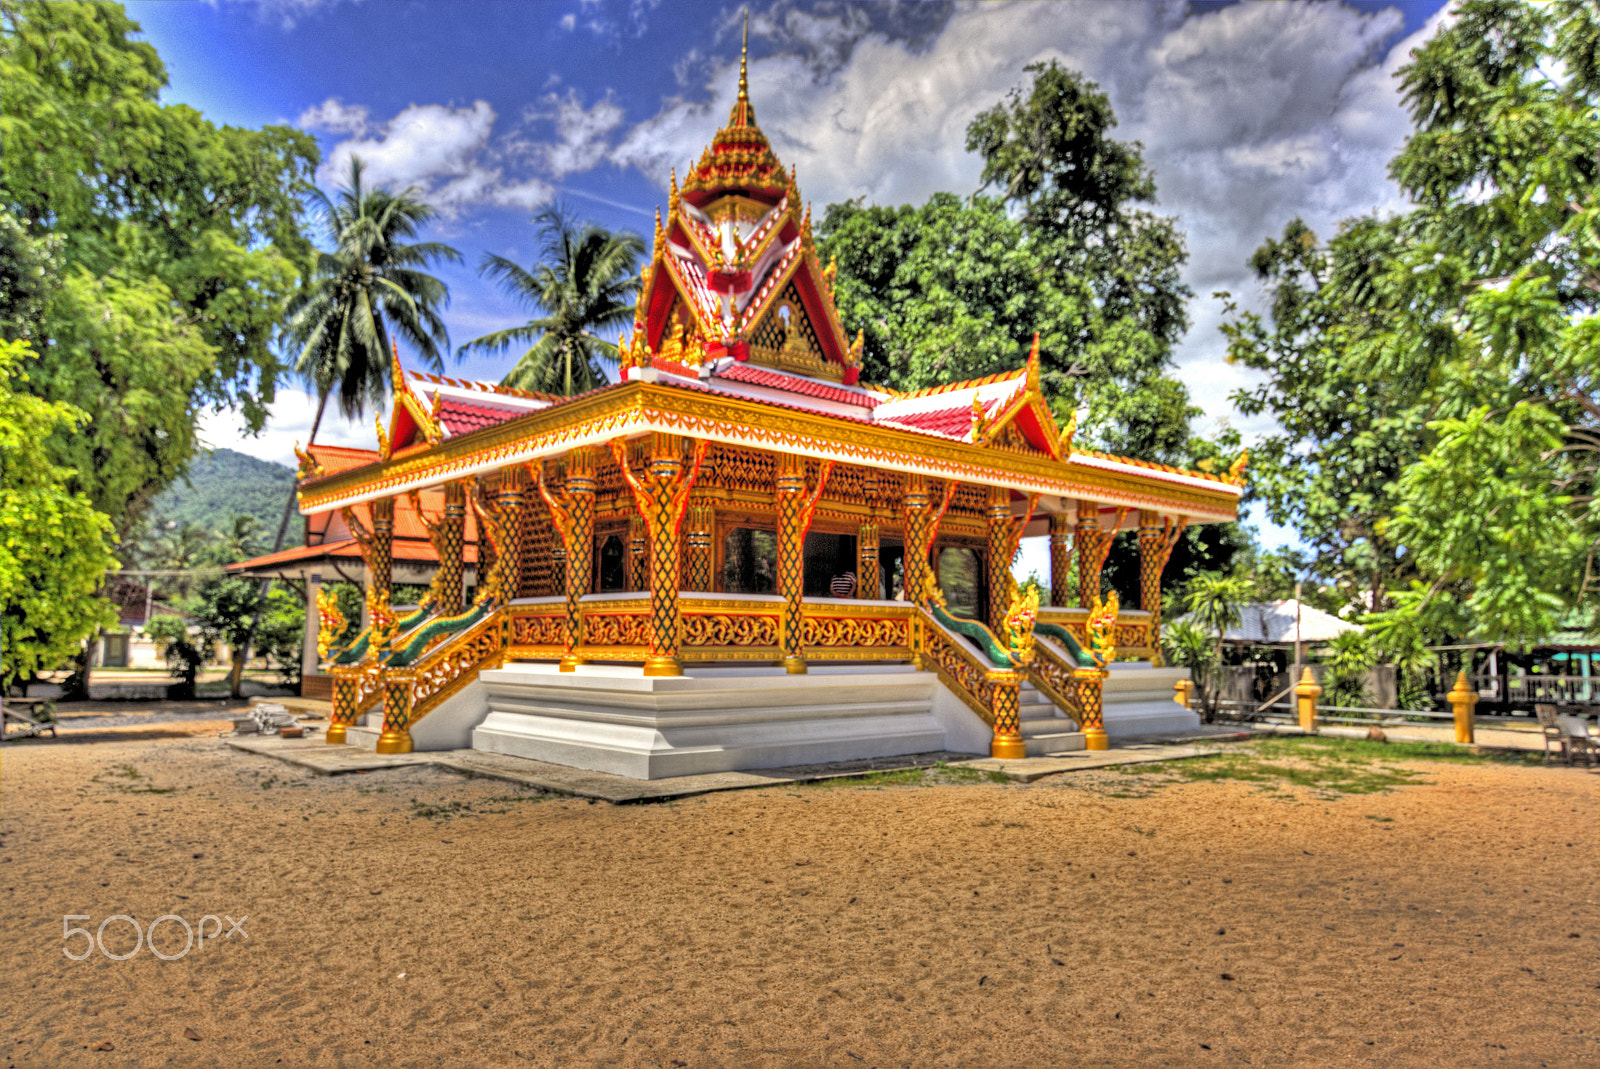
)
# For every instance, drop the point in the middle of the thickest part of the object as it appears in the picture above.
(739, 555)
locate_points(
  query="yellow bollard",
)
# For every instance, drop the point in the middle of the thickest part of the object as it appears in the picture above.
(1462, 698)
(1306, 693)
(1182, 690)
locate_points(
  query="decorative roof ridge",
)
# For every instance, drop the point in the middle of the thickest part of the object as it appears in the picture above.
(783, 269)
(952, 387)
(483, 387)
(813, 387)
(710, 317)
(1192, 473)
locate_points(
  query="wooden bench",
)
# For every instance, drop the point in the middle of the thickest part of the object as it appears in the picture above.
(19, 725)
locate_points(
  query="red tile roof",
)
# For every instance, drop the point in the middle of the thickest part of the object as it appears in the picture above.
(408, 549)
(460, 417)
(760, 376)
(953, 422)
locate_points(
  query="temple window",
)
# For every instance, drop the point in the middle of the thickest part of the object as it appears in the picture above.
(830, 565)
(749, 561)
(613, 569)
(960, 573)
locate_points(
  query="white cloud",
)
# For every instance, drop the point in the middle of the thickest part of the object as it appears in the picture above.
(336, 116)
(569, 22)
(1249, 116)
(582, 133)
(422, 144)
(287, 13)
(449, 154)
(292, 414)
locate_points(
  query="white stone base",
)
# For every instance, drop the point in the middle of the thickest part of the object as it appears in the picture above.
(614, 719)
(1140, 699)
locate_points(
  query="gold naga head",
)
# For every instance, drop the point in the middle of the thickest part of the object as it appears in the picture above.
(331, 622)
(1236, 469)
(309, 468)
(1102, 629)
(1019, 621)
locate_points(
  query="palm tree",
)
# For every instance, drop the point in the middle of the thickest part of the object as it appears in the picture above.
(1213, 602)
(372, 282)
(586, 281)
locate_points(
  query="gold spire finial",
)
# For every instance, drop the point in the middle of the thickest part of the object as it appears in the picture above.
(743, 113)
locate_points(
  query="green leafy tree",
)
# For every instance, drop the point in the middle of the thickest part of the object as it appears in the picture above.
(229, 612)
(1185, 644)
(586, 282)
(1214, 601)
(184, 649)
(1458, 342)
(176, 547)
(55, 548)
(1350, 657)
(102, 173)
(956, 288)
(280, 633)
(152, 253)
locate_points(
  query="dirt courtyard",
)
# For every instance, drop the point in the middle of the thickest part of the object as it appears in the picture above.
(417, 918)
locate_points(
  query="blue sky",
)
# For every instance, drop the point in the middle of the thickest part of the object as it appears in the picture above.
(1249, 113)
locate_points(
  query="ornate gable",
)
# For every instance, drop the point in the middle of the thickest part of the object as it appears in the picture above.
(734, 273)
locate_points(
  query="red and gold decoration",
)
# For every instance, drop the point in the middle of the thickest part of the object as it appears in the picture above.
(797, 505)
(572, 511)
(661, 496)
(1157, 537)
(740, 421)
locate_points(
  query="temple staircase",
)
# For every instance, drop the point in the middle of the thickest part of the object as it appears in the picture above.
(1045, 727)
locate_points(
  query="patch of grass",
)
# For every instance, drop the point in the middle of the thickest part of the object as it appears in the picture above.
(450, 810)
(939, 775)
(1380, 820)
(126, 779)
(1313, 747)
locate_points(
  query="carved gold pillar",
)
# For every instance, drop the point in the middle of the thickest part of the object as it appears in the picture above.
(915, 567)
(382, 545)
(796, 505)
(484, 569)
(1001, 529)
(638, 555)
(572, 512)
(512, 500)
(1060, 559)
(396, 734)
(662, 495)
(700, 522)
(380, 572)
(1092, 546)
(1005, 696)
(1088, 691)
(452, 538)
(869, 577)
(1156, 539)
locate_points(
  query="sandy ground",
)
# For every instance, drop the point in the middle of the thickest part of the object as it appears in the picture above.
(1081, 920)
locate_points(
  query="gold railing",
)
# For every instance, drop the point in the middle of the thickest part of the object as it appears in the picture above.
(355, 690)
(991, 692)
(1052, 674)
(1133, 629)
(956, 665)
(714, 629)
(413, 692)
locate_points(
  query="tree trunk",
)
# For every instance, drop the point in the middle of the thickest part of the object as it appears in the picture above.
(242, 654)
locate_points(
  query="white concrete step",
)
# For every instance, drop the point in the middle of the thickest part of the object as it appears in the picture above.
(1048, 735)
(1138, 699)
